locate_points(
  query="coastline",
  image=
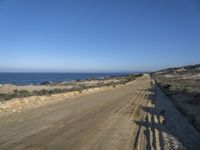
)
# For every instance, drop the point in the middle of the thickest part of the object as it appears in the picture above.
(21, 79)
(53, 93)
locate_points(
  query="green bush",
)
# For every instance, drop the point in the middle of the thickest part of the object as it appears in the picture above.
(2, 97)
(166, 86)
(23, 93)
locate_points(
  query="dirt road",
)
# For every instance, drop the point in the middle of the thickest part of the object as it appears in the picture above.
(123, 118)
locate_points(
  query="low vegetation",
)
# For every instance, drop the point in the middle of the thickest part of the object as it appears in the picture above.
(75, 87)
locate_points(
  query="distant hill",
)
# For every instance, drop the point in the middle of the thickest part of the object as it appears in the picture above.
(181, 70)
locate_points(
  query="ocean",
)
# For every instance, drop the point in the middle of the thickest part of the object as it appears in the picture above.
(38, 78)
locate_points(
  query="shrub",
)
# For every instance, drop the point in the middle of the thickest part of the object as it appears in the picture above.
(166, 86)
(42, 92)
(45, 83)
(15, 91)
(22, 93)
(2, 97)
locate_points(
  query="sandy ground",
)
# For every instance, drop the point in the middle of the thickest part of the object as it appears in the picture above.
(135, 116)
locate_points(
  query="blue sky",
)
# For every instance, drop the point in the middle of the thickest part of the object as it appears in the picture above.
(98, 35)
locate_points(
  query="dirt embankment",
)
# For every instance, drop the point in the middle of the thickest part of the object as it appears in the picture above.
(18, 105)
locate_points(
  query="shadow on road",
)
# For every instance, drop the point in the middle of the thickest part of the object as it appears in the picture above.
(153, 124)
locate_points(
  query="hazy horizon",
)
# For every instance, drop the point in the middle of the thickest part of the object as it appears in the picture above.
(82, 72)
(98, 36)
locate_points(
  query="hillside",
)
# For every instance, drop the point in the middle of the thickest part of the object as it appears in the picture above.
(182, 85)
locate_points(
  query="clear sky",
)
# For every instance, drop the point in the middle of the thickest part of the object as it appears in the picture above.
(98, 35)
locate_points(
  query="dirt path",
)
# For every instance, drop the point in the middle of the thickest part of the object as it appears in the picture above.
(123, 118)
